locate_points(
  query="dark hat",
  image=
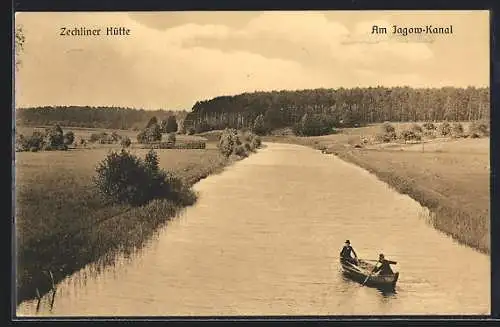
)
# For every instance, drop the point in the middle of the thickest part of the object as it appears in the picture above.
(381, 255)
(347, 241)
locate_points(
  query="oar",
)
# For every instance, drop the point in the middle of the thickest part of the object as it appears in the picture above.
(367, 277)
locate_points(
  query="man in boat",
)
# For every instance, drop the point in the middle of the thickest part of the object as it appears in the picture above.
(383, 266)
(345, 254)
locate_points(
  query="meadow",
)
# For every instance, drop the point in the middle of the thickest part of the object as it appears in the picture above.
(449, 176)
(62, 223)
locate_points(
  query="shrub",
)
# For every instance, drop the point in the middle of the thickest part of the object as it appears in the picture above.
(416, 128)
(125, 178)
(69, 138)
(429, 126)
(238, 143)
(240, 150)
(314, 125)
(387, 133)
(125, 142)
(54, 136)
(170, 126)
(444, 129)
(149, 134)
(388, 128)
(410, 135)
(259, 126)
(115, 137)
(256, 142)
(457, 130)
(103, 138)
(478, 129)
(171, 138)
(228, 141)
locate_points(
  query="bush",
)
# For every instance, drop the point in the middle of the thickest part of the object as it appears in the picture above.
(125, 142)
(444, 129)
(238, 143)
(103, 138)
(170, 125)
(125, 178)
(256, 142)
(416, 128)
(240, 150)
(51, 139)
(388, 128)
(410, 135)
(54, 136)
(387, 133)
(259, 126)
(457, 130)
(227, 141)
(171, 138)
(69, 138)
(478, 129)
(150, 134)
(429, 126)
(314, 125)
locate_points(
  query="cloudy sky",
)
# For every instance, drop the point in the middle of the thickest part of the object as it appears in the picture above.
(172, 59)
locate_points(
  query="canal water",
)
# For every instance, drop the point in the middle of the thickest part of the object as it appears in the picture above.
(264, 239)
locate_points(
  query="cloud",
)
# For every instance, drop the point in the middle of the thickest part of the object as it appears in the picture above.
(173, 64)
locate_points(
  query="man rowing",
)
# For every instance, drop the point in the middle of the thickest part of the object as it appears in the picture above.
(345, 254)
(383, 266)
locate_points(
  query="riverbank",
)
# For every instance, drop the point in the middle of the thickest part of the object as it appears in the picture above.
(62, 224)
(450, 177)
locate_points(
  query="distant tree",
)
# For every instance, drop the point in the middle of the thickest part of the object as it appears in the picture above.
(54, 136)
(69, 138)
(125, 142)
(228, 141)
(259, 126)
(444, 129)
(19, 44)
(387, 133)
(429, 126)
(457, 130)
(410, 135)
(114, 136)
(171, 125)
(152, 121)
(171, 138)
(150, 134)
(152, 162)
(416, 128)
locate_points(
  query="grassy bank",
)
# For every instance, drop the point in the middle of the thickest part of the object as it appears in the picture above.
(62, 223)
(450, 177)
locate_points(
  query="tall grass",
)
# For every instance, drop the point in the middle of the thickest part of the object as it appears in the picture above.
(62, 224)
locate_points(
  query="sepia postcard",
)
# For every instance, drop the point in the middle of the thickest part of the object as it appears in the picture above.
(252, 163)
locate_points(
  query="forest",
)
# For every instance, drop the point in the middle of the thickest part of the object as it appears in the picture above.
(92, 117)
(324, 109)
(341, 107)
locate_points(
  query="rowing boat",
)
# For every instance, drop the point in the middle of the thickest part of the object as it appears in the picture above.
(361, 271)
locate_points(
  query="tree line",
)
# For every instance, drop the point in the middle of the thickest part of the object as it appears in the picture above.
(325, 108)
(92, 117)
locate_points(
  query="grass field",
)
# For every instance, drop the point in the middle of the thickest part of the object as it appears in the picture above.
(450, 177)
(62, 223)
(85, 133)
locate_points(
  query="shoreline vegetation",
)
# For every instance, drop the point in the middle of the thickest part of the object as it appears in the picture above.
(63, 221)
(448, 175)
